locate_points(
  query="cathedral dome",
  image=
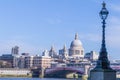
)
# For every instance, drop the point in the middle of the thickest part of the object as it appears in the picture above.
(76, 42)
(76, 50)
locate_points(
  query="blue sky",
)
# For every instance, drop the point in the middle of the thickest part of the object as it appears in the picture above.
(35, 25)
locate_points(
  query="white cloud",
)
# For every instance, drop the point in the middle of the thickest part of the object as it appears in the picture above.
(114, 20)
(113, 26)
(113, 30)
(115, 7)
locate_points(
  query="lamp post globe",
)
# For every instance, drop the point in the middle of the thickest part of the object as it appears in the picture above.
(104, 12)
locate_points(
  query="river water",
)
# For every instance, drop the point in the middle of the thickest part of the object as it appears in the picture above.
(35, 79)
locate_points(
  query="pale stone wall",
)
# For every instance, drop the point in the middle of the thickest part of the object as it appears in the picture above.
(10, 71)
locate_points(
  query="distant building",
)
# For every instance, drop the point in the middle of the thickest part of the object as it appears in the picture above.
(15, 51)
(53, 53)
(74, 54)
(92, 56)
(45, 53)
(12, 58)
(25, 54)
(43, 61)
(29, 62)
(15, 54)
(21, 63)
(76, 49)
(63, 53)
(8, 58)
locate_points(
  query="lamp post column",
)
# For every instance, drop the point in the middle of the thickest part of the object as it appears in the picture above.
(103, 61)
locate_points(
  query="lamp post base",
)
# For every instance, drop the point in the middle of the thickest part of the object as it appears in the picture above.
(102, 74)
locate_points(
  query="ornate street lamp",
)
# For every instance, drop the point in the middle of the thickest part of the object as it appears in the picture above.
(103, 62)
(104, 13)
(103, 71)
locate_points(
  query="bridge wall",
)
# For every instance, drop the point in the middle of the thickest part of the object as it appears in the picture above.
(13, 71)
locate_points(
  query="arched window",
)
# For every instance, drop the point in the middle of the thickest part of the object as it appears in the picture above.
(81, 52)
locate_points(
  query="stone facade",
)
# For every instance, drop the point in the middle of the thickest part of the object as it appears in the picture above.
(103, 74)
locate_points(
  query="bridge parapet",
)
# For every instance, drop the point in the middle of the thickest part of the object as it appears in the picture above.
(74, 69)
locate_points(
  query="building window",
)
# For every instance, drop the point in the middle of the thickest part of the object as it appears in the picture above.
(71, 52)
(77, 52)
(81, 52)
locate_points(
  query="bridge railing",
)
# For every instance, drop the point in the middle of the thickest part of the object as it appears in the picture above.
(50, 70)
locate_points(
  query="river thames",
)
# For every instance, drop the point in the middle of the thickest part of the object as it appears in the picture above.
(35, 79)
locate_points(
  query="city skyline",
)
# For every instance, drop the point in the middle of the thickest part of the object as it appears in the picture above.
(37, 25)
